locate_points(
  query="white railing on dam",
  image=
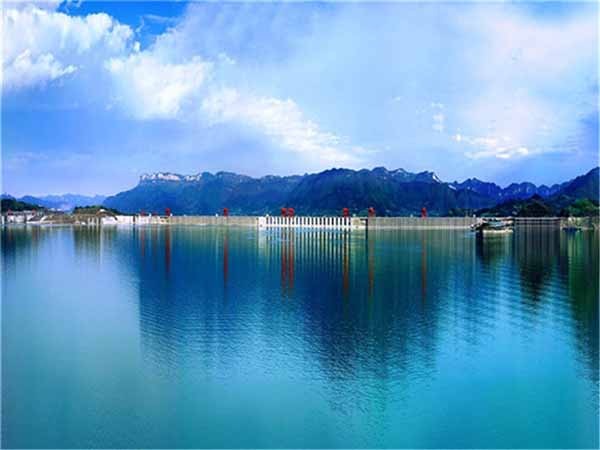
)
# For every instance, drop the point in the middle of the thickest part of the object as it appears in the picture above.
(546, 222)
(309, 222)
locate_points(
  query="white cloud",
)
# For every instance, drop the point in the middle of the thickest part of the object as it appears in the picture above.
(40, 31)
(28, 71)
(521, 45)
(283, 122)
(494, 147)
(170, 81)
(499, 152)
(502, 125)
(150, 88)
(438, 122)
(42, 45)
(165, 81)
(529, 79)
(49, 5)
(438, 118)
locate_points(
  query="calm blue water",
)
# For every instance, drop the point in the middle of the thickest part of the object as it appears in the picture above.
(206, 337)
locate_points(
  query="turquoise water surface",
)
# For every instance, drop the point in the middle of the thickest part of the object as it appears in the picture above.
(210, 337)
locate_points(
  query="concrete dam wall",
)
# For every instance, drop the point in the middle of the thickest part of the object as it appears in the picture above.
(326, 222)
(421, 222)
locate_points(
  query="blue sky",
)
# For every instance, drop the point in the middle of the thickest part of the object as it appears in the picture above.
(97, 93)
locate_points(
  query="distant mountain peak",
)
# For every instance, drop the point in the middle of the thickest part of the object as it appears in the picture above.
(162, 176)
(428, 176)
(405, 176)
(475, 180)
(158, 177)
(379, 169)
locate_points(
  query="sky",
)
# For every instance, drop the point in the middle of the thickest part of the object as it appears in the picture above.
(94, 94)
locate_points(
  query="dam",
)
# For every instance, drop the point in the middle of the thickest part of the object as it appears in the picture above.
(265, 222)
(261, 222)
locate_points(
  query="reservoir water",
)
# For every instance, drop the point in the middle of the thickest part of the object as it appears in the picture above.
(175, 337)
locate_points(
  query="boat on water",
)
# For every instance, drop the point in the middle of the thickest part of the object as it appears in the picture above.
(493, 226)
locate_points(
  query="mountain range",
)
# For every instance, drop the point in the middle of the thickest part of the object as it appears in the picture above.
(514, 191)
(578, 197)
(390, 192)
(64, 202)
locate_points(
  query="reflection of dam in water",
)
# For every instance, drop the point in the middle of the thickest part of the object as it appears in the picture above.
(341, 255)
(332, 253)
(180, 267)
(325, 276)
(305, 250)
(344, 256)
